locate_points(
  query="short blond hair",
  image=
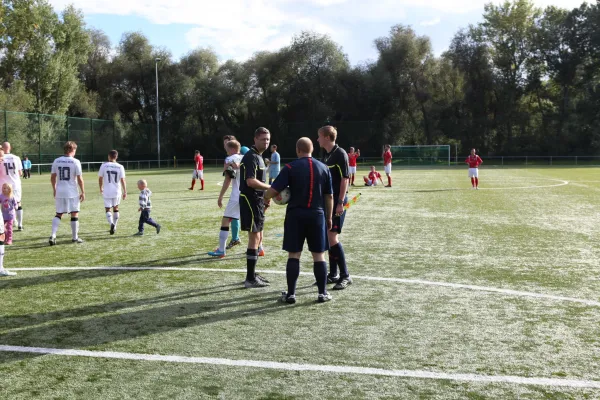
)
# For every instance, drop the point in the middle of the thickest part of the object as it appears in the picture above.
(143, 182)
(329, 131)
(70, 146)
(234, 145)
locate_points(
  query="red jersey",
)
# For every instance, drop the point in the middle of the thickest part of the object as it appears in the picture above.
(352, 159)
(199, 160)
(373, 176)
(474, 161)
(387, 157)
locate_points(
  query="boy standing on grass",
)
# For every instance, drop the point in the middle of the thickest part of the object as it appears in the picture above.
(352, 157)
(198, 170)
(387, 163)
(113, 187)
(474, 162)
(66, 176)
(145, 207)
(232, 211)
(3, 272)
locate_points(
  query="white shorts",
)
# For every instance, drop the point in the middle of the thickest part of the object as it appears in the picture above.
(114, 202)
(352, 170)
(387, 168)
(198, 174)
(68, 205)
(371, 183)
(233, 209)
(17, 194)
(473, 172)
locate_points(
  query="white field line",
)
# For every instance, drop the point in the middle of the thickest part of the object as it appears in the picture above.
(419, 374)
(508, 292)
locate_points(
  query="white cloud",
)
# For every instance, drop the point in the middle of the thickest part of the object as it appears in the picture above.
(431, 22)
(237, 28)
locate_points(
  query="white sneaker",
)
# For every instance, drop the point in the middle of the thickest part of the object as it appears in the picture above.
(7, 273)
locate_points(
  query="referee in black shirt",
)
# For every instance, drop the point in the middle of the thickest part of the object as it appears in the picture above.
(252, 204)
(308, 216)
(336, 159)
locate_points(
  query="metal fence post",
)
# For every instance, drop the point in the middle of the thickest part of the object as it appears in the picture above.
(92, 137)
(68, 128)
(550, 160)
(39, 143)
(575, 160)
(6, 125)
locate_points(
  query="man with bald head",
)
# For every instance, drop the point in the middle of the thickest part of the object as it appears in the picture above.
(12, 172)
(308, 216)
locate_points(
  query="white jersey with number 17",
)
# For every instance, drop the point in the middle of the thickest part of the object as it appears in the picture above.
(111, 173)
(67, 169)
(11, 165)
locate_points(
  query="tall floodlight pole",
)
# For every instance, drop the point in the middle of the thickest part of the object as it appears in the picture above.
(157, 112)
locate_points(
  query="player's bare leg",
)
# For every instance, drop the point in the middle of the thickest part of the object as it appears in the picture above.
(476, 183)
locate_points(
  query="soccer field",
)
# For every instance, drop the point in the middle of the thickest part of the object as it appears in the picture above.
(457, 294)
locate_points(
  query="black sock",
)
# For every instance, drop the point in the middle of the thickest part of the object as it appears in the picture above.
(341, 260)
(333, 266)
(292, 272)
(320, 270)
(251, 259)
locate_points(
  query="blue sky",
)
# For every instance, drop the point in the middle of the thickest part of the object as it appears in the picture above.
(236, 29)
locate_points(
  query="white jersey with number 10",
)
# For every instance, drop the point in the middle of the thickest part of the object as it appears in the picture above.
(66, 169)
(111, 173)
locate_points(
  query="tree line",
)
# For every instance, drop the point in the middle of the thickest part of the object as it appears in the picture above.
(524, 81)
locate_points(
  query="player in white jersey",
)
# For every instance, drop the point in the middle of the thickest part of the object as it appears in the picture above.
(111, 179)
(13, 168)
(66, 176)
(232, 211)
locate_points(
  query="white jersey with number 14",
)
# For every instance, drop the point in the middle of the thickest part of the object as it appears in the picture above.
(111, 173)
(67, 169)
(11, 165)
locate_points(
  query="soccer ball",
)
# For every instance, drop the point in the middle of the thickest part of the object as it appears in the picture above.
(283, 197)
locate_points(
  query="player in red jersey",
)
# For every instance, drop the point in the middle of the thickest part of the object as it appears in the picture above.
(352, 157)
(387, 164)
(474, 162)
(198, 170)
(371, 179)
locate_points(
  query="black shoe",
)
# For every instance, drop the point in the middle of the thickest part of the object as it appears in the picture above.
(323, 298)
(262, 278)
(330, 279)
(52, 241)
(112, 229)
(157, 229)
(343, 283)
(288, 298)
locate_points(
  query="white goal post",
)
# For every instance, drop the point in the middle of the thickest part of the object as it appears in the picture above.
(437, 154)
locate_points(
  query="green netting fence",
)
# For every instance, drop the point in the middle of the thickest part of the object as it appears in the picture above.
(41, 137)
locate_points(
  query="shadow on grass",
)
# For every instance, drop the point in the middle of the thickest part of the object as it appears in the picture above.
(91, 328)
(15, 283)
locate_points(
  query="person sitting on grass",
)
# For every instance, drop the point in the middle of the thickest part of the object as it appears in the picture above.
(371, 179)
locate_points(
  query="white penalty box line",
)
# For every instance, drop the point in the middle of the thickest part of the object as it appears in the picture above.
(507, 292)
(418, 374)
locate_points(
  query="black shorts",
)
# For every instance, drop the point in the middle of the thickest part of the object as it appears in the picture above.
(252, 213)
(338, 221)
(304, 224)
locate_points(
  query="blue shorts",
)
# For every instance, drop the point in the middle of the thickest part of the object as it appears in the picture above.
(338, 222)
(304, 224)
(273, 173)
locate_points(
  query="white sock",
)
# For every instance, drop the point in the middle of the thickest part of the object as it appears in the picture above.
(109, 218)
(55, 225)
(1, 257)
(75, 228)
(19, 217)
(115, 218)
(223, 239)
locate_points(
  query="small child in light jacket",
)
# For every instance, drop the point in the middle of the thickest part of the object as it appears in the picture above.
(9, 208)
(145, 207)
